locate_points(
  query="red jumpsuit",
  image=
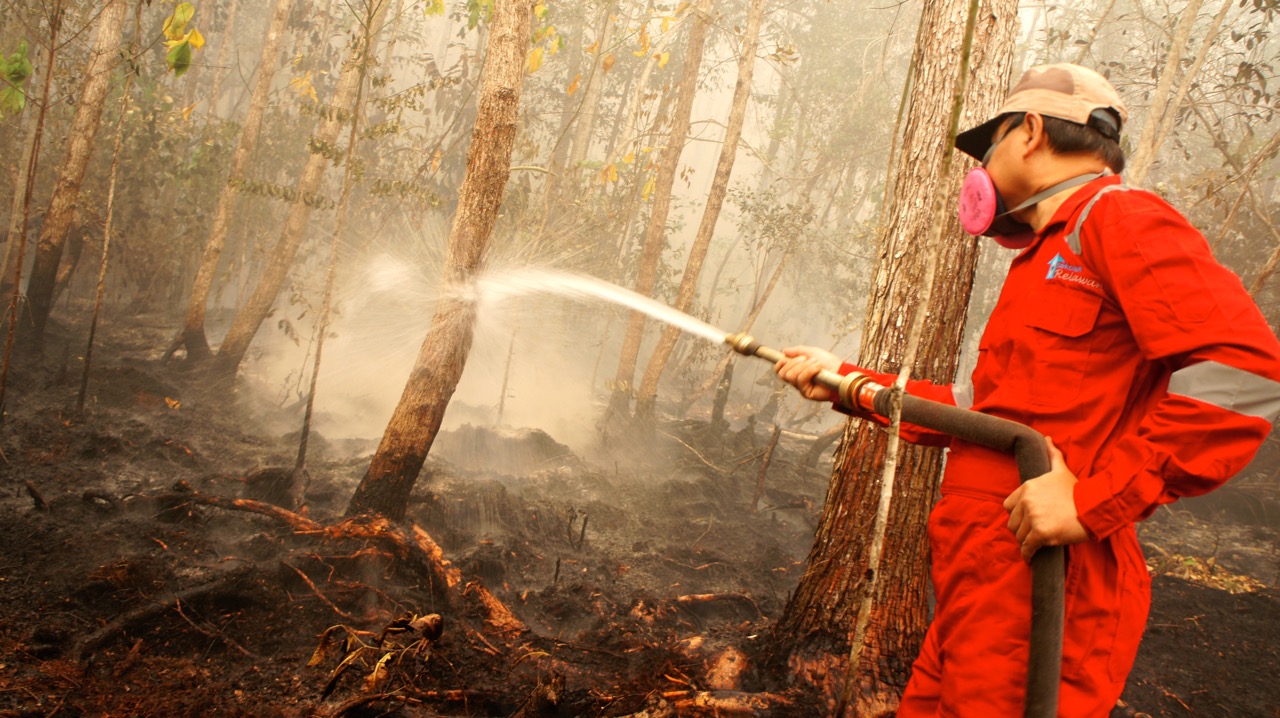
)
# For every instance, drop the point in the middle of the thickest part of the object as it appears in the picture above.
(1154, 372)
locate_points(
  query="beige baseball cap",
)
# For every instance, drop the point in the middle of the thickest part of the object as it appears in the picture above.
(1068, 92)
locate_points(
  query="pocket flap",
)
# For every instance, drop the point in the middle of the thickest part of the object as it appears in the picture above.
(1068, 313)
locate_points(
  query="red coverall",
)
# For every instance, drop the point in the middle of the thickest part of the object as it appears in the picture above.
(1154, 372)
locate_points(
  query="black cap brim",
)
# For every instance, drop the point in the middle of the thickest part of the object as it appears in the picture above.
(977, 141)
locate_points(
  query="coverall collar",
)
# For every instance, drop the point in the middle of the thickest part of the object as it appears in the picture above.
(1070, 207)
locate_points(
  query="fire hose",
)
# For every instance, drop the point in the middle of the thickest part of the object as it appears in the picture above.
(1048, 567)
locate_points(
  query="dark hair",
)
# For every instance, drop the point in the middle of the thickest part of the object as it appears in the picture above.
(1066, 137)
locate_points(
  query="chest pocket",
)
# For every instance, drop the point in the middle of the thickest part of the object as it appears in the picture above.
(1060, 336)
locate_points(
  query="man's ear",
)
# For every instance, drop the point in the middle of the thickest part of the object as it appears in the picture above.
(1034, 136)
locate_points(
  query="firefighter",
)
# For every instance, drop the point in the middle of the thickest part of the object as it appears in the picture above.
(1117, 336)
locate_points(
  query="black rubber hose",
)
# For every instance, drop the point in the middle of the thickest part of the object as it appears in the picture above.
(1028, 447)
(1048, 566)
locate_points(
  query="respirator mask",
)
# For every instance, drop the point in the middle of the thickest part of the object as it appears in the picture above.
(983, 211)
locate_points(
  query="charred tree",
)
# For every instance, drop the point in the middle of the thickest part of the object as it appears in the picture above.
(648, 395)
(192, 335)
(651, 250)
(413, 427)
(250, 315)
(62, 206)
(817, 625)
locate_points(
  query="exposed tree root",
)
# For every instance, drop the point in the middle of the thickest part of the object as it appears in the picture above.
(414, 547)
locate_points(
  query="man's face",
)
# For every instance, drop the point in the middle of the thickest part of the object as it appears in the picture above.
(1000, 160)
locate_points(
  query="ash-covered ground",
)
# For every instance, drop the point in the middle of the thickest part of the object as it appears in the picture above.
(642, 580)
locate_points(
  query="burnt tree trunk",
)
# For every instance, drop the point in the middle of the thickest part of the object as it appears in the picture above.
(250, 315)
(386, 485)
(817, 624)
(648, 395)
(62, 206)
(192, 335)
(651, 251)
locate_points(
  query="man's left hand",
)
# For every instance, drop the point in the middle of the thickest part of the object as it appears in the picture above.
(1042, 512)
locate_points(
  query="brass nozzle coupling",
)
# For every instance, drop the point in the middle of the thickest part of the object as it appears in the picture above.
(742, 343)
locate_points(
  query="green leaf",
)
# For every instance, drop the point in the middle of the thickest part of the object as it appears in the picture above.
(176, 26)
(12, 100)
(179, 58)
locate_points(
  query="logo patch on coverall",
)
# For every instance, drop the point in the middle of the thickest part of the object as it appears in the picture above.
(1061, 270)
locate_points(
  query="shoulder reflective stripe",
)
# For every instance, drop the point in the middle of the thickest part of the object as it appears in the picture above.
(1228, 388)
(1073, 239)
(963, 395)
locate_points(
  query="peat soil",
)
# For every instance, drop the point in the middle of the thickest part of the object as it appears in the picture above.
(646, 585)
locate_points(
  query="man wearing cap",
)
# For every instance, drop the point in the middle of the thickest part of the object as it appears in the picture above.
(1117, 336)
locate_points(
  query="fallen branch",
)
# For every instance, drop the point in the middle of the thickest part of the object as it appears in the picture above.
(319, 594)
(151, 610)
(212, 633)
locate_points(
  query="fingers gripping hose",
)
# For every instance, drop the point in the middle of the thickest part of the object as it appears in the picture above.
(859, 392)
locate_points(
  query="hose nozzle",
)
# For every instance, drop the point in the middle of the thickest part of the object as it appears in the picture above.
(854, 391)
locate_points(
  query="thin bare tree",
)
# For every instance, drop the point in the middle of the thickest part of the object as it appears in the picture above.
(250, 315)
(192, 335)
(84, 131)
(655, 236)
(409, 435)
(647, 396)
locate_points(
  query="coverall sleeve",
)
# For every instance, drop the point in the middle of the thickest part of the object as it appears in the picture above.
(915, 387)
(1192, 314)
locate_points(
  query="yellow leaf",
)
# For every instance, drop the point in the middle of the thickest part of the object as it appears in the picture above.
(649, 186)
(535, 60)
(593, 47)
(631, 157)
(196, 39)
(613, 173)
(573, 86)
(435, 161)
(666, 23)
(608, 61)
(173, 403)
(644, 43)
(540, 10)
(663, 59)
(186, 115)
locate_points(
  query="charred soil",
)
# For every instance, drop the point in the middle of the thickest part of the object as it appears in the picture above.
(155, 564)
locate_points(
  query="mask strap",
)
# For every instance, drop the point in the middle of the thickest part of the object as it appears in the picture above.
(1060, 187)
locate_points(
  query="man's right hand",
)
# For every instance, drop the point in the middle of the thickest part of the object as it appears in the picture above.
(802, 365)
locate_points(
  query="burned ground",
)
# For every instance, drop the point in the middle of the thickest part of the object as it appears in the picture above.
(637, 587)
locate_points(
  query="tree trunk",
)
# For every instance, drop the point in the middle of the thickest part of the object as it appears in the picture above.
(31, 160)
(192, 335)
(250, 315)
(651, 253)
(220, 69)
(1161, 103)
(648, 396)
(386, 485)
(756, 309)
(586, 117)
(326, 305)
(62, 206)
(816, 627)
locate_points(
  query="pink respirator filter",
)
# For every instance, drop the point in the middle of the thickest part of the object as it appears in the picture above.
(977, 202)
